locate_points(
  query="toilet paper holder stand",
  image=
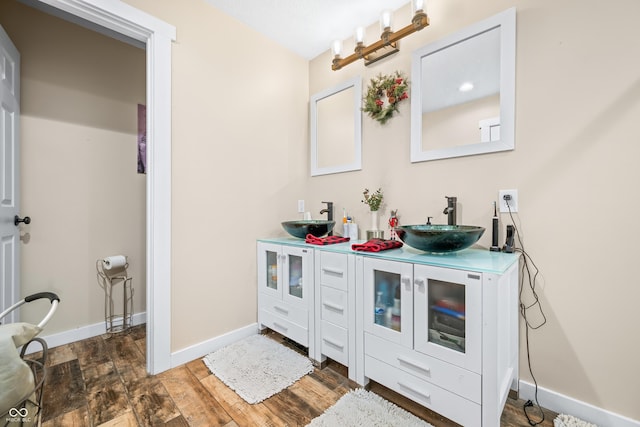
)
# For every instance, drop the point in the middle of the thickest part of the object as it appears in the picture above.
(109, 279)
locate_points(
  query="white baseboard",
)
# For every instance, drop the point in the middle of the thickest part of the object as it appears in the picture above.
(84, 332)
(567, 405)
(203, 348)
(178, 358)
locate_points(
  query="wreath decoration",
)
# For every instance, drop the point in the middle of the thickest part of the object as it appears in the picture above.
(384, 94)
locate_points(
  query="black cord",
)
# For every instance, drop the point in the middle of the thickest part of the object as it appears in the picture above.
(523, 312)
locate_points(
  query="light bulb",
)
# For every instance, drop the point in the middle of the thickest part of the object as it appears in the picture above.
(385, 21)
(336, 48)
(359, 37)
(417, 6)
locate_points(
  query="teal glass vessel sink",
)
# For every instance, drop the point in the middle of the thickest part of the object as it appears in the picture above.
(439, 238)
(300, 228)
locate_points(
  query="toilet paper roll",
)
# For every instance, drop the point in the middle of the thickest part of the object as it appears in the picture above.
(115, 261)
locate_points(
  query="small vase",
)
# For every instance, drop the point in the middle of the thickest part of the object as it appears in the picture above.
(374, 220)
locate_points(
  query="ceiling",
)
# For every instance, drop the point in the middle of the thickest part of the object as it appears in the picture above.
(307, 27)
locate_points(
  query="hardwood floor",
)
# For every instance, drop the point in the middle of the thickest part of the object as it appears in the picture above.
(102, 381)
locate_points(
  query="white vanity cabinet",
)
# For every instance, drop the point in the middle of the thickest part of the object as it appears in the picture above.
(307, 293)
(285, 291)
(335, 308)
(443, 337)
(441, 330)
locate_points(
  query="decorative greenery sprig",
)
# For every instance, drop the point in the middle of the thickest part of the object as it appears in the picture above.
(373, 200)
(383, 96)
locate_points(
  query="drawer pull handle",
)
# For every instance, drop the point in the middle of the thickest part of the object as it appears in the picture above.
(333, 306)
(414, 365)
(281, 310)
(278, 325)
(333, 343)
(333, 271)
(411, 389)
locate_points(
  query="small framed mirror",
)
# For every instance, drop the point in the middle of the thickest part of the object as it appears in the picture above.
(336, 129)
(463, 92)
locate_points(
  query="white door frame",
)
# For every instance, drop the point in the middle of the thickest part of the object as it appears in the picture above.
(158, 36)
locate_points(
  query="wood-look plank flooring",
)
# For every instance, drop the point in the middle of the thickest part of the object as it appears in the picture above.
(101, 381)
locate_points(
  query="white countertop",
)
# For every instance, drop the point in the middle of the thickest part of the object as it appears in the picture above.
(481, 260)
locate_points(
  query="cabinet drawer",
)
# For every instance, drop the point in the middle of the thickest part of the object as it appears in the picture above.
(297, 315)
(450, 377)
(334, 343)
(450, 405)
(333, 270)
(284, 327)
(333, 306)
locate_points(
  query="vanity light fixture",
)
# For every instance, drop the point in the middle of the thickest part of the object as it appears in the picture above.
(388, 43)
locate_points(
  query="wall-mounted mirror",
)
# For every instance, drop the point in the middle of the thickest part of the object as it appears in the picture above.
(463, 91)
(336, 129)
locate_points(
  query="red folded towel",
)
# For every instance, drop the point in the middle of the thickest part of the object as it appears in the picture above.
(329, 240)
(376, 245)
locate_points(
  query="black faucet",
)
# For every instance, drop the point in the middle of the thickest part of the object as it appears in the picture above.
(450, 210)
(329, 211)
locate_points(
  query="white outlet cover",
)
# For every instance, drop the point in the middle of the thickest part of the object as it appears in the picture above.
(300, 206)
(513, 203)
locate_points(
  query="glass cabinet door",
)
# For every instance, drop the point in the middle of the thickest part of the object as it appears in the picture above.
(297, 274)
(388, 300)
(294, 270)
(448, 315)
(285, 271)
(270, 269)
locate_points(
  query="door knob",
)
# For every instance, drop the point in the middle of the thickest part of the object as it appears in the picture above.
(17, 220)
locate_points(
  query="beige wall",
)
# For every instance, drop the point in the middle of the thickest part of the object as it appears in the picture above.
(79, 102)
(239, 161)
(575, 167)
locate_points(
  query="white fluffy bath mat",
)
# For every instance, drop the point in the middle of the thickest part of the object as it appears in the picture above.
(360, 408)
(257, 367)
(564, 420)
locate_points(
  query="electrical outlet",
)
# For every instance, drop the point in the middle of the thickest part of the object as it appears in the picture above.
(300, 206)
(512, 195)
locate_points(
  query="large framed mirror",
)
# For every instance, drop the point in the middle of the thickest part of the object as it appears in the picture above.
(336, 129)
(463, 91)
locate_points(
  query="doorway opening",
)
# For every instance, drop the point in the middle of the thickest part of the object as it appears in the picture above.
(121, 20)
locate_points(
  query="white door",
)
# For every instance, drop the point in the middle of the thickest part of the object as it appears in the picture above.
(9, 175)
